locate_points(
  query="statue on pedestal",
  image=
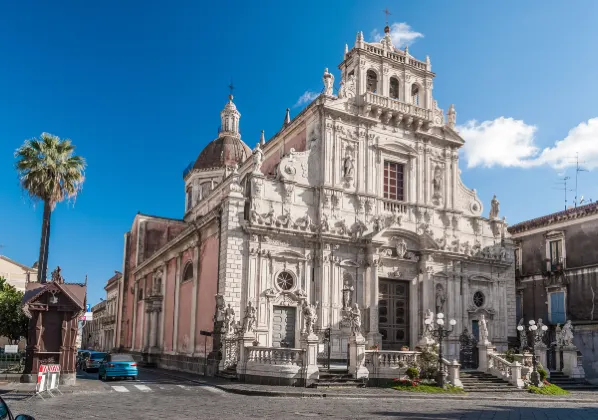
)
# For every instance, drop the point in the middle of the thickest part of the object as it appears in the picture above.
(523, 335)
(328, 79)
(567, 334)
(310, 316)
(249, 319)
(559, 335)
(494, 208)
(484, 330)
(355, 320)
(229, 321)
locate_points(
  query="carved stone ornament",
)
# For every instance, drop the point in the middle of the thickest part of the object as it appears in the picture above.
(256, 186)
(258, 158)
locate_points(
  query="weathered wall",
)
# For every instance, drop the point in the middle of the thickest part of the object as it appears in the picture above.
(207, 288)
(581, 241)
(157, 233)
(533, 254)
(534, 301)
(586, 340)
(583, 296)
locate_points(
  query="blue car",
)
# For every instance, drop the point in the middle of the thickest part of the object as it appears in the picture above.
(94, 361)
(118, 366)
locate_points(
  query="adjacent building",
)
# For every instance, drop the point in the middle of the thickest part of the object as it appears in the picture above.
(355, 206)
(100, 333)
(17, 274)
(556, 260)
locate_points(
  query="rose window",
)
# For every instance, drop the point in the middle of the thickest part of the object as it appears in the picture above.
(478, 299)
(285, 280)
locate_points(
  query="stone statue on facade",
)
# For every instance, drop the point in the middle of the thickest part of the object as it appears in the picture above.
(347, 292)
(437, 184)
(452, 116)
(56, 276)
(342, 93)
(220, 309)
(258, 158)
(328, 79)
(539, 337)
(494, 208)
(401, 248)
(440, 298)
(522, 335)
(229, 321)
(483, 330)
(567, 333)
(427, 338)
(348, 167)
(324, 225)
(310, 316)
(249, 319)
(355, 320)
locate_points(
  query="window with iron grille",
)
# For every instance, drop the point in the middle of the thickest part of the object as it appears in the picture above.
(556, 254)
(393, 181)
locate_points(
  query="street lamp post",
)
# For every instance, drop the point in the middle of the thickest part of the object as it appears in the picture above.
(536, 336)
(439, 332)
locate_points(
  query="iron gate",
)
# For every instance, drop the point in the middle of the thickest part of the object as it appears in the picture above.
(323, 358)
(468, 352)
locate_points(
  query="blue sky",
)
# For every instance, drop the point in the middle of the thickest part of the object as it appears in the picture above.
(138, 87)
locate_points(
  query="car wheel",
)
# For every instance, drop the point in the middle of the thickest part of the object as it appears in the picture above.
(134, 378)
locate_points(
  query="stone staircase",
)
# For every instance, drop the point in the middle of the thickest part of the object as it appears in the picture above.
(570, 384)
(474, 381)
(338, 379)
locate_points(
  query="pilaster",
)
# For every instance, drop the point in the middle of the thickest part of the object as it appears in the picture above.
(177, 285)
(193, 323)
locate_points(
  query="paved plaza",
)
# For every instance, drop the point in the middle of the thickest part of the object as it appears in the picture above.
(158, 396)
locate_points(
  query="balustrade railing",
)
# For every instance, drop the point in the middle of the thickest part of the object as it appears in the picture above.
(501, 368)
(376, 100)
(389, 363)
(394, 206)
(275, 356)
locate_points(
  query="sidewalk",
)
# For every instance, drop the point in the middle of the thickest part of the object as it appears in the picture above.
(285, 391)
(83, 385)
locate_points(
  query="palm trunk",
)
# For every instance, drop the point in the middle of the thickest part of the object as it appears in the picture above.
(47, 248)
(43, 264)
(42, 246)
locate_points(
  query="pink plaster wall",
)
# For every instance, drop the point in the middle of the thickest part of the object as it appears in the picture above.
(168, 305)
(139, 327)
(129, 298)
(297, 142)
(185, 296)
(207, 287)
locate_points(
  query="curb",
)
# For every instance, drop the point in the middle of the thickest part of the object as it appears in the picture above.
(295, 394)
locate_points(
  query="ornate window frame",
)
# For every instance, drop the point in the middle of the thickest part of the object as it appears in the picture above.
(555, 235)
(484, 302)
(293, 276)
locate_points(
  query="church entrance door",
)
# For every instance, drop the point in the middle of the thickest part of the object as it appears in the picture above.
(393, 313)
(283, 326)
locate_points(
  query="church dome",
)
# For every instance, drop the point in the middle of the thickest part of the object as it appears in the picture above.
(225, 151)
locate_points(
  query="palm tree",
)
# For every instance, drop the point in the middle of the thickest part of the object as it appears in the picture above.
(49, 172)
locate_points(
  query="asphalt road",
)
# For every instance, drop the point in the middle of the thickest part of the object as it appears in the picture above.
(158, 397)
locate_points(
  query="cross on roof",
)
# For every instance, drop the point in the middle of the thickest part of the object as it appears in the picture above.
(387, 13)
(231, 87)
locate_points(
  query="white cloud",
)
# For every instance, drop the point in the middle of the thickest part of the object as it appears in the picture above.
(582, 139)
(501, 142)
(306, 98)
(511, 143)
(400, 33)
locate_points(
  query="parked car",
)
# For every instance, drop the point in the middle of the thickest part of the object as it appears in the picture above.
(119, 365)
(5, 413)
(94, 361)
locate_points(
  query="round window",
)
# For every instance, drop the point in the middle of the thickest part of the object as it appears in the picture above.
(285, 280)
(478, 299)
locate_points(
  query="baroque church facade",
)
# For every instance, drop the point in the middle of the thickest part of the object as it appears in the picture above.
(355, 206)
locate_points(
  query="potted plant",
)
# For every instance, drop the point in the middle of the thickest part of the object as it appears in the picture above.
(405, 348)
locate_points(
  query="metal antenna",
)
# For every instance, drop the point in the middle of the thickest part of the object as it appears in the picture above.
(577, 171)
(563, 187)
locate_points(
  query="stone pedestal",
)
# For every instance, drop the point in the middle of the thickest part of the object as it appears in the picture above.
(245, 341)
(541, 355)
(571, 366)
(357, 357)
(559, 365)
(483, 350)
(454, 374)
(310, 362)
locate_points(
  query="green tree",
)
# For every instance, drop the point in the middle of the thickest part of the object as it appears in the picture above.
(49, 172)
(13, 322)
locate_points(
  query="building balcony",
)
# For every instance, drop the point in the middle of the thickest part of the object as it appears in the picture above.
(394, 112)
(108, 319)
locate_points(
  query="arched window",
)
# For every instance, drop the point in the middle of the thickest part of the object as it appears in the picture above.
(140, 294)
(394, 88)
(285, 280)
(372, 81)
(415, 95)
(188, 272)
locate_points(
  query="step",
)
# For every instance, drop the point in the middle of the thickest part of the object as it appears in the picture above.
(352, 384)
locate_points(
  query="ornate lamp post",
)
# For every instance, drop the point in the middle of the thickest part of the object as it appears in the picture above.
(536, 334)
(439, 332)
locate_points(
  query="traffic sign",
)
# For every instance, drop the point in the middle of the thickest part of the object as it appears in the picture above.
(87, 317)
(88, 308)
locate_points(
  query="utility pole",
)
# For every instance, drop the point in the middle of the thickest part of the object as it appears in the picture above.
(563, 187)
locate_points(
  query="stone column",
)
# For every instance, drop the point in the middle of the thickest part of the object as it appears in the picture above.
(134, 333)
(192, 327)
(310, 362)
(516, 378)
(177, 285)
(454, 369)
(357, 357)
(245, 341)
(161, 317)
(374, 336)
